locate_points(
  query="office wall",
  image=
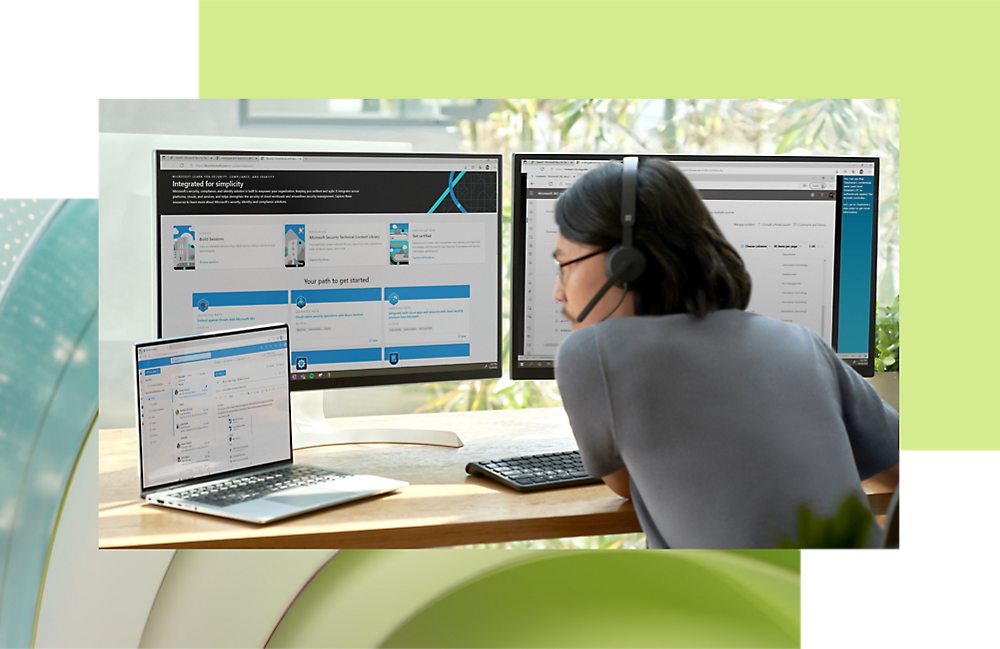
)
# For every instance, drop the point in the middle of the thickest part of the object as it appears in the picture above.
(221, 118)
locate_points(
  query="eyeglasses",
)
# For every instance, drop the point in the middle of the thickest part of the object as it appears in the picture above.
(561, 265)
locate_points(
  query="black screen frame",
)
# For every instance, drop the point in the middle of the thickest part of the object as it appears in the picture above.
(363, 378)
(546, 371)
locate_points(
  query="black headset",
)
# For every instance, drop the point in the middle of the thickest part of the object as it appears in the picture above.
(625, 263)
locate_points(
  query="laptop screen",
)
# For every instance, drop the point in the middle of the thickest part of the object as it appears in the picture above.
(212, 404)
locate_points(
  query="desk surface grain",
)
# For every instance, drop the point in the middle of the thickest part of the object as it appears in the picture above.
(442, 506)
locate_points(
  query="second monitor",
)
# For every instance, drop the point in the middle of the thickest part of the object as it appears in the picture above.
(804, 226)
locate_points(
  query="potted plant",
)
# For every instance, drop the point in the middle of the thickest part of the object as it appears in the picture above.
(886, 379)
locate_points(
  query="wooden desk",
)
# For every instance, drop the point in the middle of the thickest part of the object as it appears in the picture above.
(443, 506)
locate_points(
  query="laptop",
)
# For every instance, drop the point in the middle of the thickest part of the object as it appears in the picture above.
(213, 413)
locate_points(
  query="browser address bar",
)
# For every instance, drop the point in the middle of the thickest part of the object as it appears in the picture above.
(191, 357)
(222, 165)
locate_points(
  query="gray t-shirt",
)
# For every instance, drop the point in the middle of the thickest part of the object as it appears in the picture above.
(726, 424)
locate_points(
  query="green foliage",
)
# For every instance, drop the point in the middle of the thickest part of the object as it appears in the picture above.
(887, 337)
(855, 127)
(495, 394)
(848, 528)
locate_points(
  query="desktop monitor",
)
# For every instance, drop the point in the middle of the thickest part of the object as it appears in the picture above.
(806, 228)
(385, 266)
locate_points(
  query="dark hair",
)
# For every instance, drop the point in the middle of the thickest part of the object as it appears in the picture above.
(690, 267)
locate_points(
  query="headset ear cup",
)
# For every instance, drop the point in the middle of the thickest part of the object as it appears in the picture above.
(609, 261)
(627, 263)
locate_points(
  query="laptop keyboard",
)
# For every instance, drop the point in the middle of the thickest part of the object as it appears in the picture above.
(238, 490)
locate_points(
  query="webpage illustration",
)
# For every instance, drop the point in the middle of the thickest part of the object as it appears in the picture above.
(212, 406)
(390, 264)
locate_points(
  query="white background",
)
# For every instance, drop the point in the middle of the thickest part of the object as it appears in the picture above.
(59, 58)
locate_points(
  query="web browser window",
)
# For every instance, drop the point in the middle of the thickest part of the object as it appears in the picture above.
(381, 265)
(212, 405)
(782, 218)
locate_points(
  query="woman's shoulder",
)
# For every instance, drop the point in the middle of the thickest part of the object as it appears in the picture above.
(677, 333)
(574, 345)
(721, 319)
(728, 328)
(682, 323)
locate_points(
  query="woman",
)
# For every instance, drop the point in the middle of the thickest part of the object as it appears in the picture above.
(718, 424)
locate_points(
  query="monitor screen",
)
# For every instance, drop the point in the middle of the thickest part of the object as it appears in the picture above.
(386, 267)
(212, 404)
(804, 226)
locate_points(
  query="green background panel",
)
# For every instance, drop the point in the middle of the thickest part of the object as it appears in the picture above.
(936, 57)
(788, 559)
(615, 599)
(360, 596)
(518, 598)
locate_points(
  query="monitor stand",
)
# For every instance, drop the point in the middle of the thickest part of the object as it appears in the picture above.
(310, 428)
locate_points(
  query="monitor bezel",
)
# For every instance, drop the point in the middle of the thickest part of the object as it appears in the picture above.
(385, 376)
(518, 234)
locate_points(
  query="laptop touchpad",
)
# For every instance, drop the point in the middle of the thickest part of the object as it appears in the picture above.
(310, 498)
(307, 499)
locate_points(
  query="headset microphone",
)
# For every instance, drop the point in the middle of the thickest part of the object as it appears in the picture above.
(625, 263)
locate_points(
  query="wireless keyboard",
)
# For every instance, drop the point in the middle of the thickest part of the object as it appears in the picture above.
(535, 472)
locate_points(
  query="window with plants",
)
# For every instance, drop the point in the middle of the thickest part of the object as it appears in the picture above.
(867, 127)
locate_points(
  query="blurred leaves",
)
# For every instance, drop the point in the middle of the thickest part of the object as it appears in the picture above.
(848, 528)
(887, 337)
(856, 127)
(494, 394)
